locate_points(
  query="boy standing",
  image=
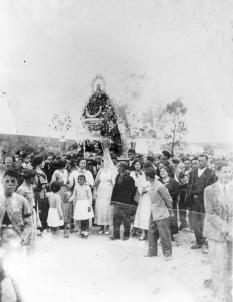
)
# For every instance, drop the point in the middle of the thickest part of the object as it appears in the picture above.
(161, 210)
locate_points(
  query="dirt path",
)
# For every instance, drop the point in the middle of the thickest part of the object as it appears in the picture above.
(98, 269)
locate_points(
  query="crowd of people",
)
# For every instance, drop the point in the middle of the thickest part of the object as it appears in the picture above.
(152, 197)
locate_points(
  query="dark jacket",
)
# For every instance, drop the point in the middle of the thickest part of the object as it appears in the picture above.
(196, 188)
(124, 190)
(173, 189)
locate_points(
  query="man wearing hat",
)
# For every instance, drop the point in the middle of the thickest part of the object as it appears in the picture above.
(123, 201)
(166, 155)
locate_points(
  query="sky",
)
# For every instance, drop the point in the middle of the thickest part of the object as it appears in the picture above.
(149, 52)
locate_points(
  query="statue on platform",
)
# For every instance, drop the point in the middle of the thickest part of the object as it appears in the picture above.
(102, 118)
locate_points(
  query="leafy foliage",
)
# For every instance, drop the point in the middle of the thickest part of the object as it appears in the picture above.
(109, 127)
(172, 123)
(61, 123)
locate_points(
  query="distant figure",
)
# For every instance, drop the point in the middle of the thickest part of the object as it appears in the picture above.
(219, 231)
(183, 180)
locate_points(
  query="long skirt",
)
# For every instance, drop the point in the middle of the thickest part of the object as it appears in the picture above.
(142, 217)
(103, 209)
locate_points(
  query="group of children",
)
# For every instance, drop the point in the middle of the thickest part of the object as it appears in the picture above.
(61, 203)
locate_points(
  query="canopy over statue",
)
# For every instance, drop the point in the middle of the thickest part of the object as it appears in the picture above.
(103, 119)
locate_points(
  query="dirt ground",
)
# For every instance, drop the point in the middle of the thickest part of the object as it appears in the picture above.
(98, 269)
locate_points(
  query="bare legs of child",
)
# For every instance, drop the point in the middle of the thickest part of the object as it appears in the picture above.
(84, 228)
(104, 230)
(66, 230)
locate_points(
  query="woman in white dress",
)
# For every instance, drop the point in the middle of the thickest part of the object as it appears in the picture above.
(143, 212)
(104, 183)
(73, 179)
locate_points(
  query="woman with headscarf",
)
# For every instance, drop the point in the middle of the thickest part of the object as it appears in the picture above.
(104, 183)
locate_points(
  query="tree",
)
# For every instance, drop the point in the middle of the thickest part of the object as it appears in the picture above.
(61, 123)
(172, 123)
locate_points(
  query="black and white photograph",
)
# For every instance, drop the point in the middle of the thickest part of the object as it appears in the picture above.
(116, 150)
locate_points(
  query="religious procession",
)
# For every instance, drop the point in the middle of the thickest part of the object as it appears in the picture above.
(90, 191)
(116, 151)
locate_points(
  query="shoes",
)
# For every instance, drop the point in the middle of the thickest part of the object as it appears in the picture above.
(125, 238)
(66, 234)
(107, 233)
(84, 236)
(142, 238)
(183, 226)
(205, 249)
(134, 233)
(149, 255)
(168, 258)
(113, 238)
(196, 246)
(101, 232)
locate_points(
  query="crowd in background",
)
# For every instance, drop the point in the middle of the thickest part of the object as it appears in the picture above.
(153, 197)
(173, 172)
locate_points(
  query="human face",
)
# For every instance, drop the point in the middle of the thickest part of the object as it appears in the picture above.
(180, 168)
(32, 180)
(202, 162)
(82, 164)
(9, 162)
(161, 165)
(9, 185)
(137, 166)
(195, 164)
(131, 155)
(42, 164)
(187, 165)
(120, 169)
(81, 180)
(149, 179)
(49, 159)
(225, 174)
(163, 173)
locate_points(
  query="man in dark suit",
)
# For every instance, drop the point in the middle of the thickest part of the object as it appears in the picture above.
(199, 179)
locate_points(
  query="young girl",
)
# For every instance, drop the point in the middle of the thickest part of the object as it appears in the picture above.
(82, 201)
(55, 217)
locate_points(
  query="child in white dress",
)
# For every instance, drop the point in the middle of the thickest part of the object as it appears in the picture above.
(55, 217)
(82, 201)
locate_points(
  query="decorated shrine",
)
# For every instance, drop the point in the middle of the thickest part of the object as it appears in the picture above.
(103, 119)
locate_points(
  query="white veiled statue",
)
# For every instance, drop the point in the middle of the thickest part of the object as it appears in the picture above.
(104, 183)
